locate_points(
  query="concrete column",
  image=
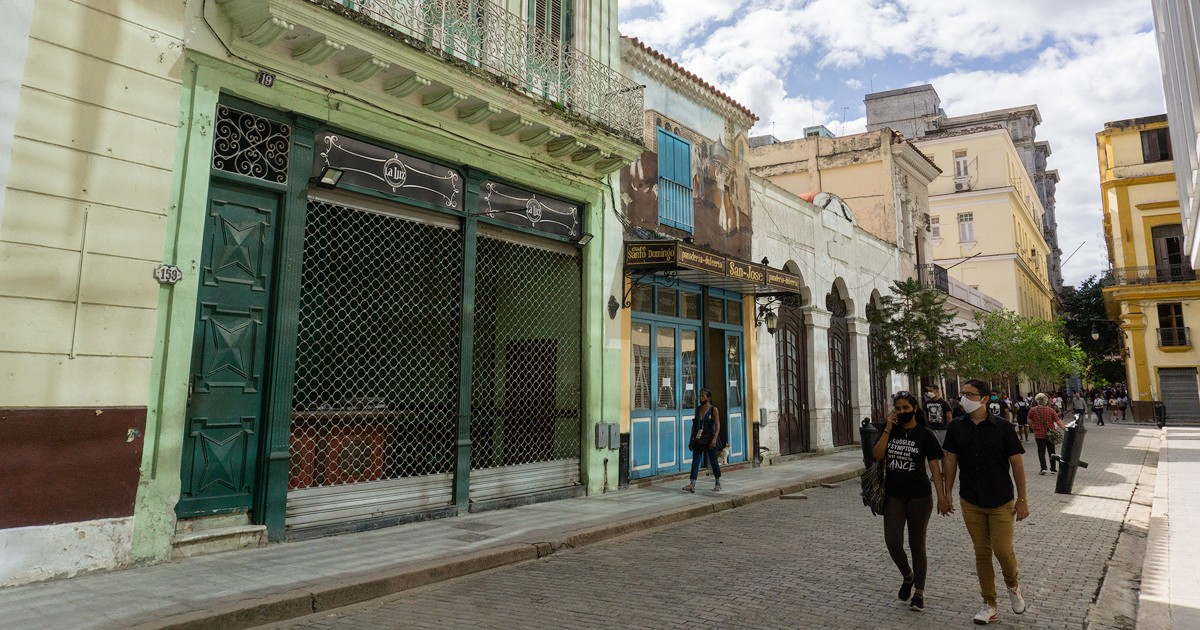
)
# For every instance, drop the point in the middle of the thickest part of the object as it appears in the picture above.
(860, 377)
(767, 385)
(820, 412)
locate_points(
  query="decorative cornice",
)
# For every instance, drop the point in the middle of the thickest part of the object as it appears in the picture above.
(666, 71)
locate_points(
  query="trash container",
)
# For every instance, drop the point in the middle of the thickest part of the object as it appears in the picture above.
(1068, 459)
(1160, 414)
(868, 434)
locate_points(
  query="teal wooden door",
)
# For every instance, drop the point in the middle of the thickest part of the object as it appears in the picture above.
(227, 383)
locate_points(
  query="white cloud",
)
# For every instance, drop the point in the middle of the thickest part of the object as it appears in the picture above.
(1076, 90)
(1093, 61)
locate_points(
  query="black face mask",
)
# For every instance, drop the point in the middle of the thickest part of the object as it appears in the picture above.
(905, 416)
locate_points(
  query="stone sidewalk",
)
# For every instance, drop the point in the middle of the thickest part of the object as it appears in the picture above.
(1170, 591)
(244, 588)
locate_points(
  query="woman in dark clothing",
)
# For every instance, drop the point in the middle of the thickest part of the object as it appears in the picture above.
(706, 435)
(906, 444)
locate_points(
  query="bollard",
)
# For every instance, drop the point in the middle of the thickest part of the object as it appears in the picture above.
(1068, 460)
(1160, 414)
(868, 434)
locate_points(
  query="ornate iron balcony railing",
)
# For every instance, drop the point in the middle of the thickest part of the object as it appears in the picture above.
(1152, 274)
(485, 35)
(1177, 336)
(934, 277)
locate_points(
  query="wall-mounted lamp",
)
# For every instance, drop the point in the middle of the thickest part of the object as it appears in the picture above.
(585, 239)
(768, 317)
(1095, 333)
(329, 177)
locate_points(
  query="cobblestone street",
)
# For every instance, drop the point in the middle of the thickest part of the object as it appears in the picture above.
(815, 563)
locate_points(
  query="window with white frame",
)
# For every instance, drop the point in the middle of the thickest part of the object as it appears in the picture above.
(960, 165)
(935, 228)
(966, 227)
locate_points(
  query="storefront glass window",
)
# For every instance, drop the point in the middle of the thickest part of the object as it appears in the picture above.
(714, 309)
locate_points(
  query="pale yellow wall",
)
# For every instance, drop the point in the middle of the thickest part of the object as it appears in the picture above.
(87, 201)
(856, 168)
(1007, 216)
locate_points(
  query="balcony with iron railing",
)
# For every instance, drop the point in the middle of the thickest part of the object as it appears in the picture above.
(1151, 274)
(478, 39)
(934, 276)
(488, 36)
(1174, 337)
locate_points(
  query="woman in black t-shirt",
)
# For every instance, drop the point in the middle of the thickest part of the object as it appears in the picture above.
(908, 446)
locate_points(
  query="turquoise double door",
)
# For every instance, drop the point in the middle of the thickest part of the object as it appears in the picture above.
(671, 361)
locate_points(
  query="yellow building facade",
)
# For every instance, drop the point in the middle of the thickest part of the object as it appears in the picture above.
(1152, 286)
(986, 219)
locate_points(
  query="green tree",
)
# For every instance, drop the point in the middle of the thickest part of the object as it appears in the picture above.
(1084, 311)
(913, 332)
(1006, 346)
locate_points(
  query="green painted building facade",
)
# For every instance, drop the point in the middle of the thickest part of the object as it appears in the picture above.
(397, 241)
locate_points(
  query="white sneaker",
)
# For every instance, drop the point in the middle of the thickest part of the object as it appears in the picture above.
(1018, 602)
(986, 615)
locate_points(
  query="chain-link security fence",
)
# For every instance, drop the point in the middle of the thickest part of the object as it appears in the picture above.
(376, 386)
(526, 372)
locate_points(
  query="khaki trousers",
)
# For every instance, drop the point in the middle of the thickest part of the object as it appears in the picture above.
(992, 534)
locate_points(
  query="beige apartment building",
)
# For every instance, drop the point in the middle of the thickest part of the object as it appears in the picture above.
(986, 219)
(881, 176)
(1152, 286)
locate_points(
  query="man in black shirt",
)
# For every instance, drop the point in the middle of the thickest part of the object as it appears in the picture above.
(937, 412)
(985, 447)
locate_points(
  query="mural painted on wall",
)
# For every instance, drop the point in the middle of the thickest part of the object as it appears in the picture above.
(720, 180)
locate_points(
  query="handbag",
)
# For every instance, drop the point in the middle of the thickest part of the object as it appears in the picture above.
(872, 480)
(1054, 437)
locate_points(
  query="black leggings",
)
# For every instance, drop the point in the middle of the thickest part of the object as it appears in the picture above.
(915, 513)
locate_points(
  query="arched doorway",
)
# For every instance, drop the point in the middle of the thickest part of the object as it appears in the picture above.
(879, 393)
(791, 352)
(839, 369)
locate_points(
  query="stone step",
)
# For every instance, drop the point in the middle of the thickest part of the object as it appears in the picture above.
(217, 539)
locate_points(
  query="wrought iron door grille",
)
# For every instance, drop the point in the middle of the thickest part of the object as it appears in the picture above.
(250, 145)
(376, 386)
(526, 369)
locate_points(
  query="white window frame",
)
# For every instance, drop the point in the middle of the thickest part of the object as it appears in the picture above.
(962, 168)
(935, 228)
(966, 227)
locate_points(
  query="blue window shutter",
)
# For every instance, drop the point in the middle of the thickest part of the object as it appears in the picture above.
(683, 163)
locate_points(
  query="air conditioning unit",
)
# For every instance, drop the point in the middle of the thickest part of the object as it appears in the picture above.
(962, 185)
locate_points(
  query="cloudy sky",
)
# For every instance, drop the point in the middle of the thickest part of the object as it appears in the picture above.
(797, 63)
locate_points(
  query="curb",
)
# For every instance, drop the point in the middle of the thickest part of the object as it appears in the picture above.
(292, 604)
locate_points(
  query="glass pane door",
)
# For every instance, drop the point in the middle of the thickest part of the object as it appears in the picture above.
(667, 416)
(735, 389)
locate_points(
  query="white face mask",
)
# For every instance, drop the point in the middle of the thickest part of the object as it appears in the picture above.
(969, 405)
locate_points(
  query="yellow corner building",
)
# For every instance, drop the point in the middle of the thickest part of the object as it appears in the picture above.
(1152, 285)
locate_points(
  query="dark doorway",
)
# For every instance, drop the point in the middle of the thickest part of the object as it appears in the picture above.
(791, 351)
(839, 369)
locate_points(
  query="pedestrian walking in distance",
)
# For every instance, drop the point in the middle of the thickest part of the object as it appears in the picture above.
(937, 412)
(1043, 419)
(1098, 409)
(907, 446)
(985, 448)
(705, 442)
(1079, 406)
(1022, 405)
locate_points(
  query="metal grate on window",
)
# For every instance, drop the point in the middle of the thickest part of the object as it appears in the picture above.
(376, 387)
(250, 145)
(525, 406)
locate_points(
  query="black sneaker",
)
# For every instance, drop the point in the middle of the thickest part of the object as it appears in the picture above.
(917, 604)
(905, 590)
